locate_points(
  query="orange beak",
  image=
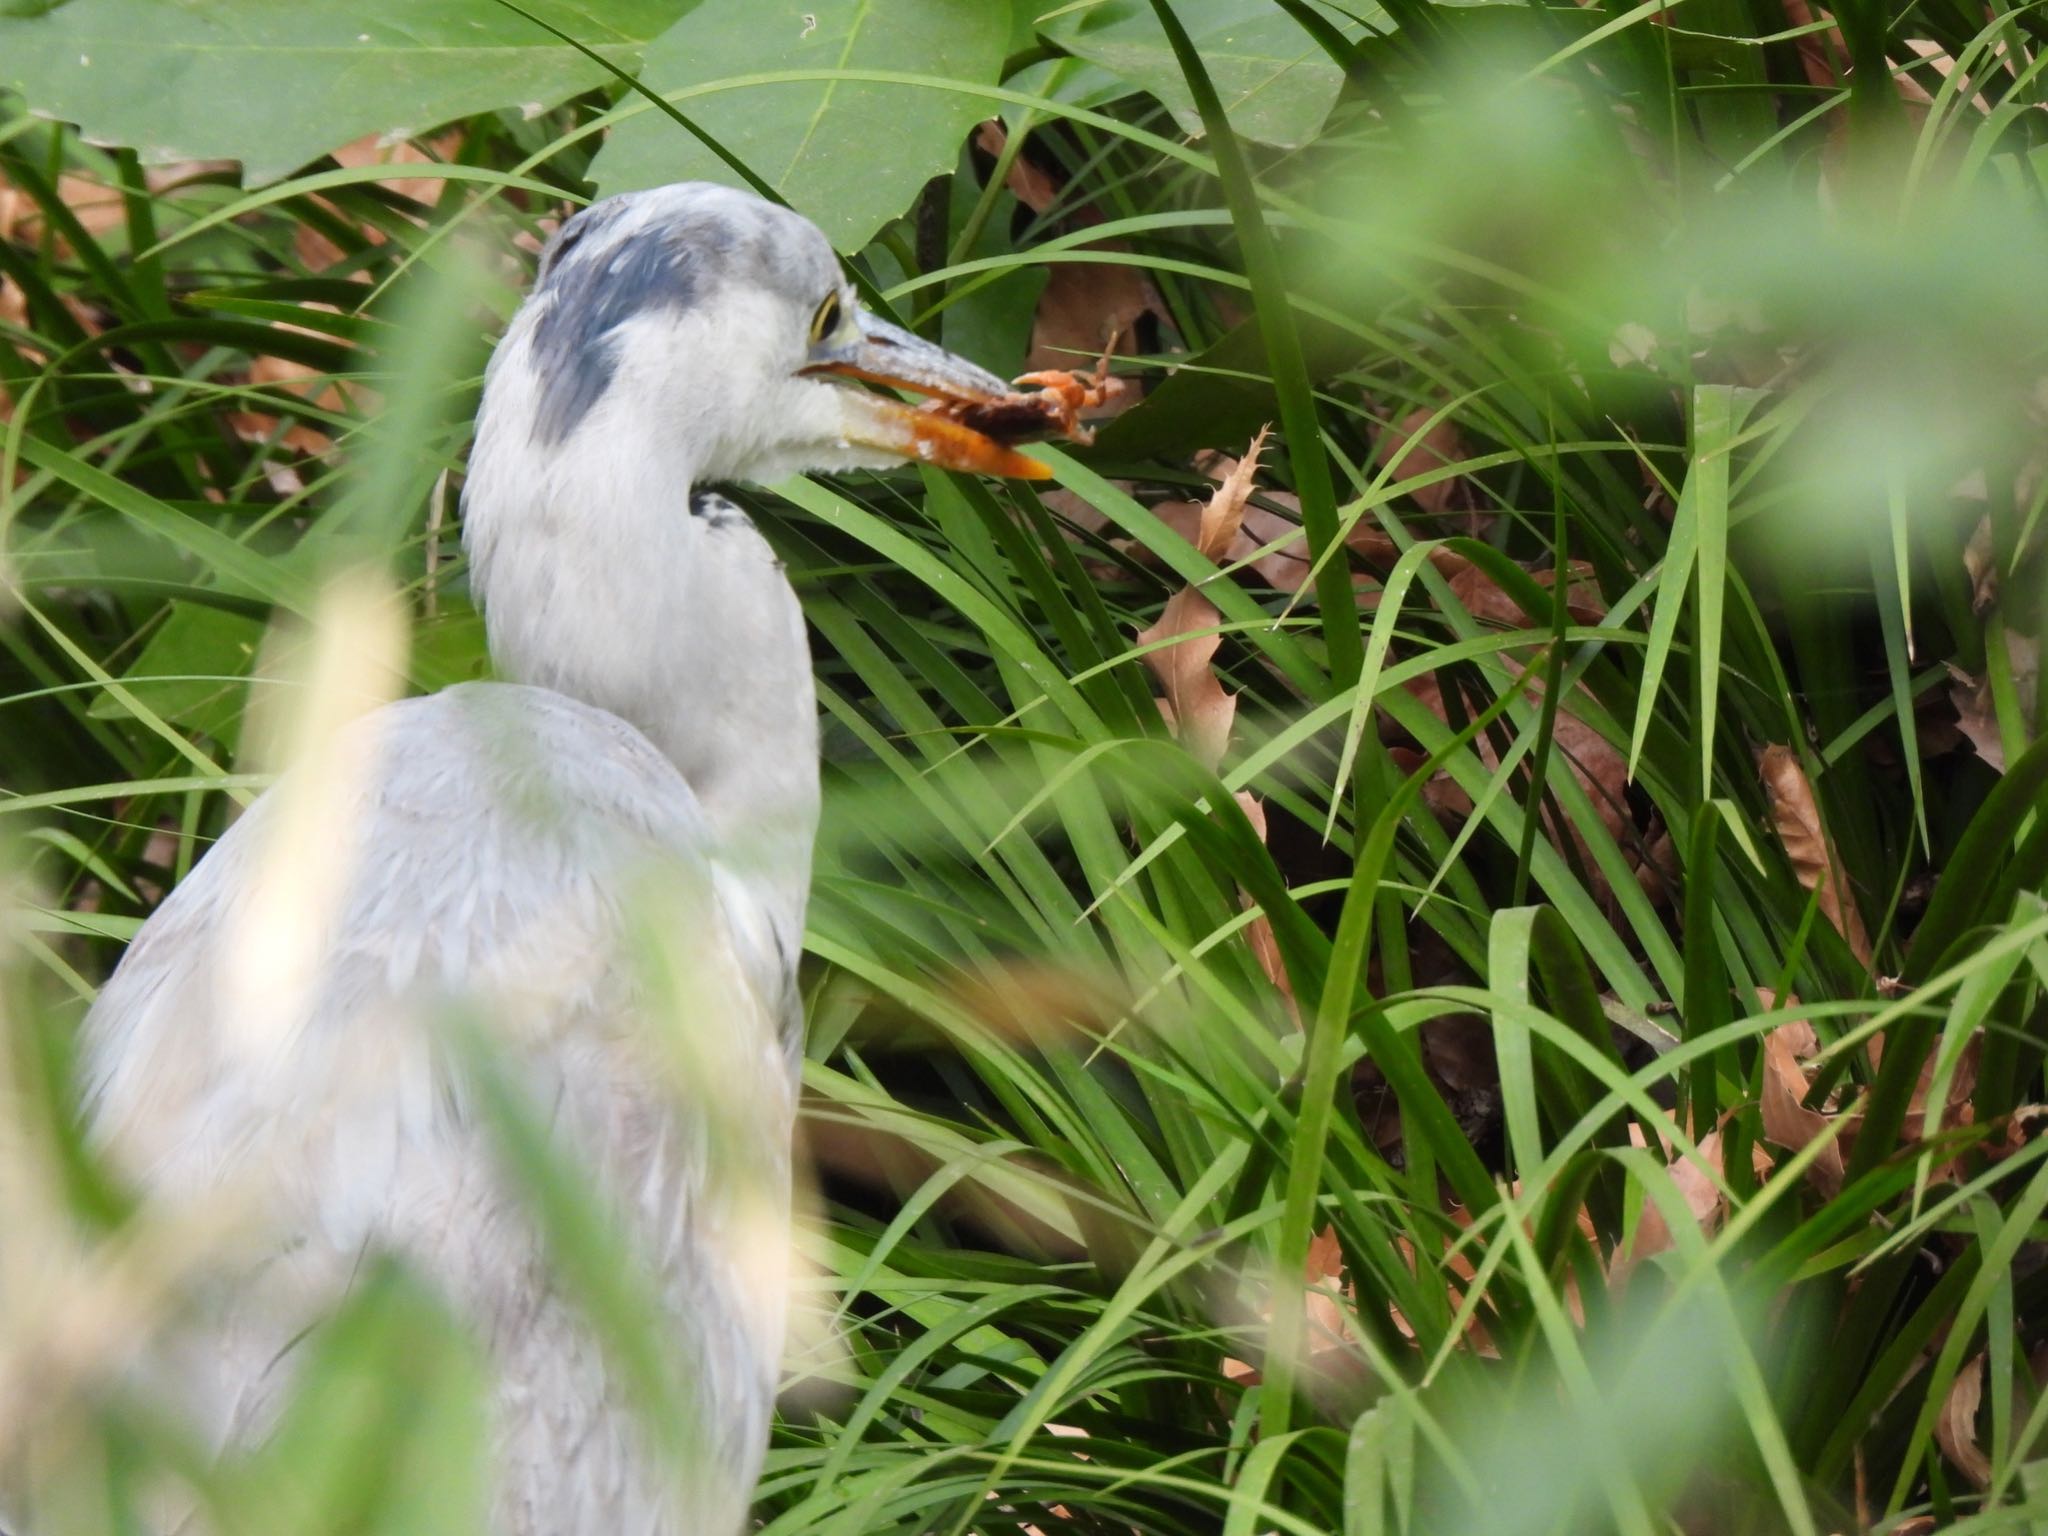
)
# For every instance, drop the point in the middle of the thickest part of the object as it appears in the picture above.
(866, 347)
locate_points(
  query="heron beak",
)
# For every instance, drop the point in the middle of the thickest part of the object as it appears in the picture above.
(871, 348)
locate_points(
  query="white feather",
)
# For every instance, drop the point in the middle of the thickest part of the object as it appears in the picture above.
(500, 855)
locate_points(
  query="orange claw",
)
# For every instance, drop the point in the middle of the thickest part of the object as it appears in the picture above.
(1070, 394)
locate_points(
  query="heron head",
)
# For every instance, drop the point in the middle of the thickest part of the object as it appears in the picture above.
(716, 330)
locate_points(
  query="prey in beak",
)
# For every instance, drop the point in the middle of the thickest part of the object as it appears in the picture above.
(863, 346)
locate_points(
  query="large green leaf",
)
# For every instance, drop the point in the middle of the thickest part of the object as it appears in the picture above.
(274, 85)
(850, 154)
(1275, 83)
(194, 671)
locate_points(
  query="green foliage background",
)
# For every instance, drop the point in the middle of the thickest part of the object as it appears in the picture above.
(1739, 307)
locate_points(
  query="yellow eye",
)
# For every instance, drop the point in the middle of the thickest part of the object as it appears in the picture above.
(826, 320)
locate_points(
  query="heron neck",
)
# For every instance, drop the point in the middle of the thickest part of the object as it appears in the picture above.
(621, 586)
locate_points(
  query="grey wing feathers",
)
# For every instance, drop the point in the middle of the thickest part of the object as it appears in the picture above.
(497, 850)
(488, 846)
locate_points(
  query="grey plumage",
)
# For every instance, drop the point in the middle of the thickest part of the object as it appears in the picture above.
(529, 823)
(591, 282)
(572, 340)
(648, 785)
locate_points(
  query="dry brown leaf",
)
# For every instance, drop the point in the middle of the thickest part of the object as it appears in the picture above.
(1955, 1430)
(2015, 1131)
(1027, 183)
(1224, 513)
(1037, 1002)
(1823, 56)
(1961, 1085)
(1787, 1121)
(1087, 308)
(96, 205)
(316, 251)
(1271, 541)
(1657, 868)
(1599, 767)
(1197, 709)
(1980, 560)
(1944, 66)
(1259, 932)
(1406, 450)
(1795, 815)
(1329, 1324)
(1790, 1053)
(1702, 1198)
(298, 379)
(1084, 308)
(1486, 600)
(1461, 1268)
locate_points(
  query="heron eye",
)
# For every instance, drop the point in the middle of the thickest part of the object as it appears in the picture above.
(826, 320)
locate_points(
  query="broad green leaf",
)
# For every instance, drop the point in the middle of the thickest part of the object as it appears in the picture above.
(1276, 84)
(849, 154)
(194, 671)
(276, 85)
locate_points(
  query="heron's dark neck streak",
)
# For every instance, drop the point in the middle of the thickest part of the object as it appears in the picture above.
(590, 288)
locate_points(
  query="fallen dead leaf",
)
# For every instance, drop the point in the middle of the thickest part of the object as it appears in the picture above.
(1980, 560)
(1486, 600)
(316, 251)
(1657, 870)
(97, 206)
(1259, 932)
(1823, 56)
(1790, 1052)
(1412, 447)
(1962, 1084)
(298, 379)
(1955, 1430)
(1702, 1197)
(1461, 1267)
(1795, 815)
(1030, 185)
(1037, 1002)
(1197, 709)
(1195, 705)
(1597, 765)
(1087, 307)
(1977, 715)
(1788, 1123)
(1943, 65)
(1329, 1324)
(2015, 1132)
(1223, 514)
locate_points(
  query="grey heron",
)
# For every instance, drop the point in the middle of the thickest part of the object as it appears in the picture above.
(658, 706)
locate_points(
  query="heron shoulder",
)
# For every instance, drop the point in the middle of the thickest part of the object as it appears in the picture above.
(497, 842)
(490, 852)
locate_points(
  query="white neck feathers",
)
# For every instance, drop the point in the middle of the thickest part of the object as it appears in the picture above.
(601, 577)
